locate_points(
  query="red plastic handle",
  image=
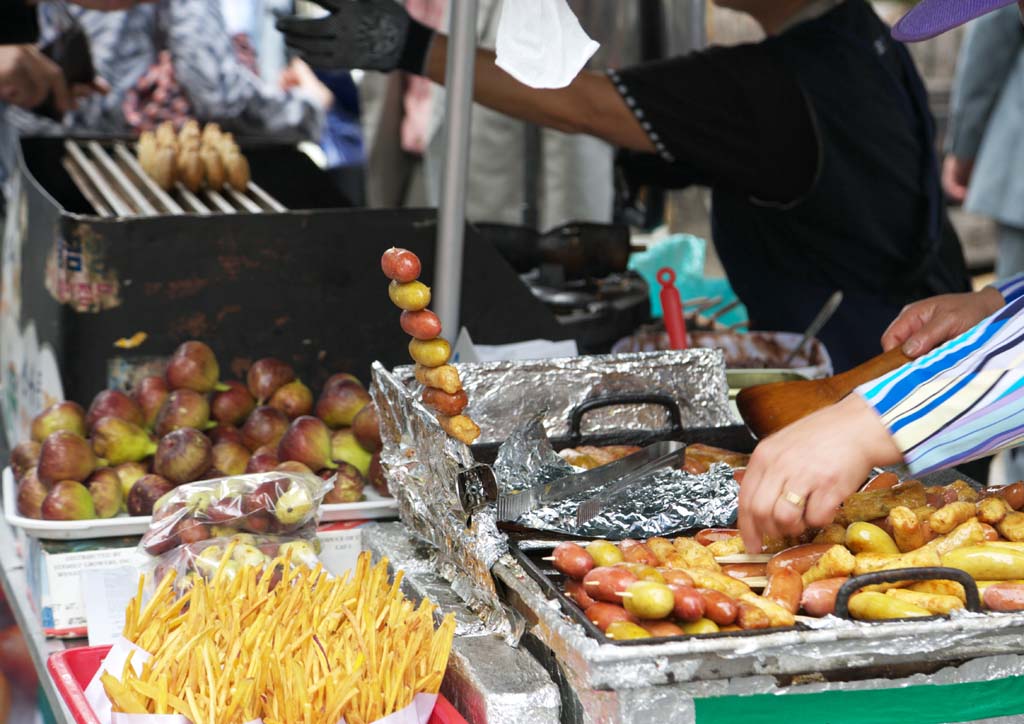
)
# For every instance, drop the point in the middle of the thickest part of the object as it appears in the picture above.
(672, 309)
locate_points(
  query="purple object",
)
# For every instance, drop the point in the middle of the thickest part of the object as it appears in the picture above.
(932, 17)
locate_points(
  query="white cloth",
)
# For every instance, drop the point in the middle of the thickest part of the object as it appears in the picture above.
(541, 43)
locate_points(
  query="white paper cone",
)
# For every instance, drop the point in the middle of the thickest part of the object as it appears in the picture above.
(114, 665)
(541, 43)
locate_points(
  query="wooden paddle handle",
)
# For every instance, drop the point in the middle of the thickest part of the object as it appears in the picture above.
(844, 383)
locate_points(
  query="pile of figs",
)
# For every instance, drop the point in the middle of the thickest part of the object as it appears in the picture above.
(129, 449)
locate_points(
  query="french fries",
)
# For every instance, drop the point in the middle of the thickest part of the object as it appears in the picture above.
(288, 645)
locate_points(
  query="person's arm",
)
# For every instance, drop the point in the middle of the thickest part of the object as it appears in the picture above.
(989, 53)
(27, 78)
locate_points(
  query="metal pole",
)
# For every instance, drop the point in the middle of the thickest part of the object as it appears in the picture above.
(452, 212)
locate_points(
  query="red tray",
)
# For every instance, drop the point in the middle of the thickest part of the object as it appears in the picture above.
(72, 670)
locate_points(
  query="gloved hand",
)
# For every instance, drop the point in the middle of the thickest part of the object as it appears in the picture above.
(366, 34)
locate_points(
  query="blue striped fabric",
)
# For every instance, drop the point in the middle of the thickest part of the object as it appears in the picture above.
(964, 399)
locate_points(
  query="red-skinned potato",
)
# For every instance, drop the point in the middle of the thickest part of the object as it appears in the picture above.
(819, 598)
(718, 607)
(400, 265)
(689, 604)
(444, 403)
(578, 593)
(607, 584)
(423, 324)
(572, 560)
(603, 615)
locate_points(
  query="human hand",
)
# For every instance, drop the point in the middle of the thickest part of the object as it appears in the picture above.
(956, 175)
(27, 78)
(367, 34)
(924, 325)
(799, 476)
(299, 75)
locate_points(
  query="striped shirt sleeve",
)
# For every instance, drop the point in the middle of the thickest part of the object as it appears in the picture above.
(1012, 288)
(961, 401)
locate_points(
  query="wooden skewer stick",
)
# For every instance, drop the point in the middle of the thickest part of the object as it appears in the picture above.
(745, 558)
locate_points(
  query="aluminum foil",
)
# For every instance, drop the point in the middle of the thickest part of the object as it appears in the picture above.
(422, 464)
(527, 458)
(504, 394)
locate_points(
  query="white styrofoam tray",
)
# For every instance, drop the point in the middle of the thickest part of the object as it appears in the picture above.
(374, 507)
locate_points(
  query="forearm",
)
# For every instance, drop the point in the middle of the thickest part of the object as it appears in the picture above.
(590, 104)
(962, 401)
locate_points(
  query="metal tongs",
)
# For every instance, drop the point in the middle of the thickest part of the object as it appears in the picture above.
(620, 474)
(672, 454)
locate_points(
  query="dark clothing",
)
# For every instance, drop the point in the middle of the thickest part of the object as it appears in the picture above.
(819, 148)
(18, 23)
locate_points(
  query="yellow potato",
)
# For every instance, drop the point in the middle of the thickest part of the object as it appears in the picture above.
(410, 297)
(933, 602)
(863, 537)
(431, 353)
(701, 626)
(835, 563)
(941, 588)
(987, 563)
(873, 606)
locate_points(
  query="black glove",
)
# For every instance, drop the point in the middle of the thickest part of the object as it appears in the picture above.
(367, 34)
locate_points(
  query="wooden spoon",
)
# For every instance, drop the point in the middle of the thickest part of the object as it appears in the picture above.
(769, 408)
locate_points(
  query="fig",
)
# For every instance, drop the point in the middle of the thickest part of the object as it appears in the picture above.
(226, 433)
(31, 494)
(300, 551)
(339, 379)
(233, 405)
(68, 500)
(366, 428)
(114, 403)
(68, 416)
(345, 448)
(265, 426)
(147, 490)
(119, 441)
(105, 488)
(348, 486)
(229, 458)
(266, 375)
(183, 408)
(293, 506)
(24, 457)
(128, 473)
(293, 399)
(150, 396)
(65, 456)
(294, 466)
(190, 530)
(193, 366)
(262, 462)
(340, 403)
(183, 456)
(376, 476)
(307, 441)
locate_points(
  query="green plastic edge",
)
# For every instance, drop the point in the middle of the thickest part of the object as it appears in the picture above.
(926, 704)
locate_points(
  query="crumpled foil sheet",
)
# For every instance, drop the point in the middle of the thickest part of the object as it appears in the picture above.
(664, 502)
(589, 665)
(422, 464)
(503, 394)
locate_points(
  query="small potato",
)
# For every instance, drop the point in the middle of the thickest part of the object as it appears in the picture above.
(460, 427)
(711, 535)
(719, 607)
(644, 573)
(701, 626)
(164, 168)
(213, 169)
(237, 168)
(864, 537)
(604, 553)
(1012, 526)
(637, 552)
(1004, 597)
(992, 510)
(625, 631)
(658, 629)
(165, 135)
(432, 353)
(400, 265)
(444, 403)
(874, 606)
(444, 378)
(950, 516)
(411, 296)
(836, 562)
(572, 560)
(211, 134)
(578, 593)
(750, 616)
(662, 548)
(603, 615)
(941, 588)
(833, 533)
(689, 605)
(932, 602)
(608, 584)
(785, 587)
(190, 170)
(648, 600)
(423, 324)
(819, 598)
(907, 529)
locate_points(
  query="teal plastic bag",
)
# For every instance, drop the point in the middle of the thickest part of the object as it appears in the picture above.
(685, 255)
